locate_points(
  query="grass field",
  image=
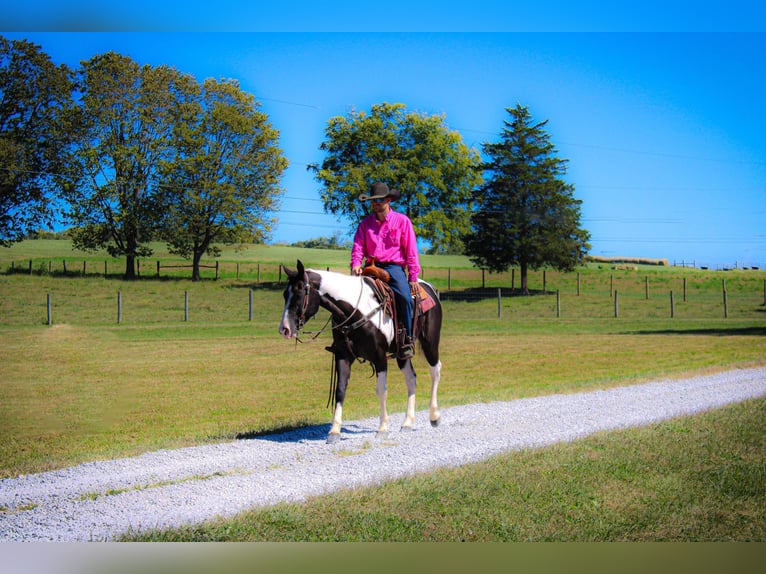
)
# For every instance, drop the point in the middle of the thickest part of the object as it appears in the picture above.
(86, 387)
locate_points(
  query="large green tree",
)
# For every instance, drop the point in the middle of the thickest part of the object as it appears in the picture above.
(112, 185)
(526, 213)
(35, 96)
(415, 153)
(225, 176)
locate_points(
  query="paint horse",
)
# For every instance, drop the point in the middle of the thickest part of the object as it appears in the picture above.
(362, 330)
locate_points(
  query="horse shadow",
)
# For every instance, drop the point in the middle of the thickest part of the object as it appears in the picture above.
(307, 433)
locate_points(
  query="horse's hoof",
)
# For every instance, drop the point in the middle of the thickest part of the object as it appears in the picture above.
(381, 434)
(435, 423)
(406, 429)
(333, 438)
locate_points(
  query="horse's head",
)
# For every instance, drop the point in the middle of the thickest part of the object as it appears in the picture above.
(301, 301)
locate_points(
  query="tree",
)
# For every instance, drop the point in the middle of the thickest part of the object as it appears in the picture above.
(526, 214)
(34, 97)
(111, 186)
(415, 153)
(225, 175)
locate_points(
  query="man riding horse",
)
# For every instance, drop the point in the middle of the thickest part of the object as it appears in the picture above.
(386, 238)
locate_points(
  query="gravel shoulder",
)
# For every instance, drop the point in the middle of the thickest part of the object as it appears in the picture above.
(98, 501)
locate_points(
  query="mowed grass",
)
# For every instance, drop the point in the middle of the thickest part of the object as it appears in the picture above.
(87, 388)
(76, 391)
(700, 478)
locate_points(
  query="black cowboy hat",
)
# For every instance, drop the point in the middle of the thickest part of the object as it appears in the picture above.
(380, 191)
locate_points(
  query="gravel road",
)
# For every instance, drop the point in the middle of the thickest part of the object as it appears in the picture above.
(101, 500)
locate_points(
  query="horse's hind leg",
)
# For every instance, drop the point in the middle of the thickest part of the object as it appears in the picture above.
(433, 407)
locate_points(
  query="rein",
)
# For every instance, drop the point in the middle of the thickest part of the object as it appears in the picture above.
(355, 325)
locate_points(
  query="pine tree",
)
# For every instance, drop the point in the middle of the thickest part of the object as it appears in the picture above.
(526, 213)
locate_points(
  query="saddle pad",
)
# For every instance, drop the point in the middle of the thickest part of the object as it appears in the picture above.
(426, 301)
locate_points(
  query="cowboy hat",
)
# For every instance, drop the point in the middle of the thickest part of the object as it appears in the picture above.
(380, 191)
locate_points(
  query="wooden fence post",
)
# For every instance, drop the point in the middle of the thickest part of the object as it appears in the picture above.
(558, 303)
(50, 321)
(186, 305)
(578, 283)
(499, 302)
(119, 307)
(250, 307)
(158, 268)
(616, 304)
(646, 286)
(449, 282)
(216, 270)
(672, 306)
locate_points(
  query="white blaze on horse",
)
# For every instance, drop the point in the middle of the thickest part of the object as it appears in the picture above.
(362, 329)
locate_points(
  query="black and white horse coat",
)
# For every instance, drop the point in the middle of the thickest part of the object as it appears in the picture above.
(361, 329)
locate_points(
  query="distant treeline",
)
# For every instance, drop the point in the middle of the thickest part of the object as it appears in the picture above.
(633, 260)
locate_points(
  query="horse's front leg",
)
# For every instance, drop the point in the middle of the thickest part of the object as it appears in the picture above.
(343, 372)
(381, 390)
(410, 380)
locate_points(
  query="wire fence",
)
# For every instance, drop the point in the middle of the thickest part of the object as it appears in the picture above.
(232, 291)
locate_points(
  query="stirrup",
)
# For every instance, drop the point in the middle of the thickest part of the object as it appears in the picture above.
(407, 350)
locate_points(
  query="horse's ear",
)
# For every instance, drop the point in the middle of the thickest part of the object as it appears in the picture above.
(290, 273)
(301, 268)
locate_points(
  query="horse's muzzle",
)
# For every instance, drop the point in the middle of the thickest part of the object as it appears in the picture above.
(285, 331)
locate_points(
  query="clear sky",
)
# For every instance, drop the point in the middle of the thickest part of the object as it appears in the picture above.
(663, 124)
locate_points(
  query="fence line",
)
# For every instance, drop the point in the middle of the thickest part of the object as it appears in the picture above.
(501, 296)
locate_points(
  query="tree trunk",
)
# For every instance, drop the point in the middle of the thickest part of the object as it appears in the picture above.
(195, 265)
(130, 267)
(524, 269)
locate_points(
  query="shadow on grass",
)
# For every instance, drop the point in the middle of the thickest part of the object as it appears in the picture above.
(721, 332)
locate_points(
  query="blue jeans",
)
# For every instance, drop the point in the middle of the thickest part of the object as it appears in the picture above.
(401, 288)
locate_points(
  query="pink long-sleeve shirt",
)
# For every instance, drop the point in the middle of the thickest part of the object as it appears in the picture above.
(390, 241)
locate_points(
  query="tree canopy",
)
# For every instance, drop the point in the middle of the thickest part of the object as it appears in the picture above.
(34, 96)
(224, 176)
(414, 153)
(526, 213)
(112, 182)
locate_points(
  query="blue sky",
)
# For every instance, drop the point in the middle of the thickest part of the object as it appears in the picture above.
(663, 126)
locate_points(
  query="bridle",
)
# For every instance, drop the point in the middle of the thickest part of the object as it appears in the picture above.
(307, 288)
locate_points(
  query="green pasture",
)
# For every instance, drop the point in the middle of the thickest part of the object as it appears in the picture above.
(194, 363)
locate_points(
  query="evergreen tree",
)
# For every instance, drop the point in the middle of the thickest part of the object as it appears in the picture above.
(526, 213)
